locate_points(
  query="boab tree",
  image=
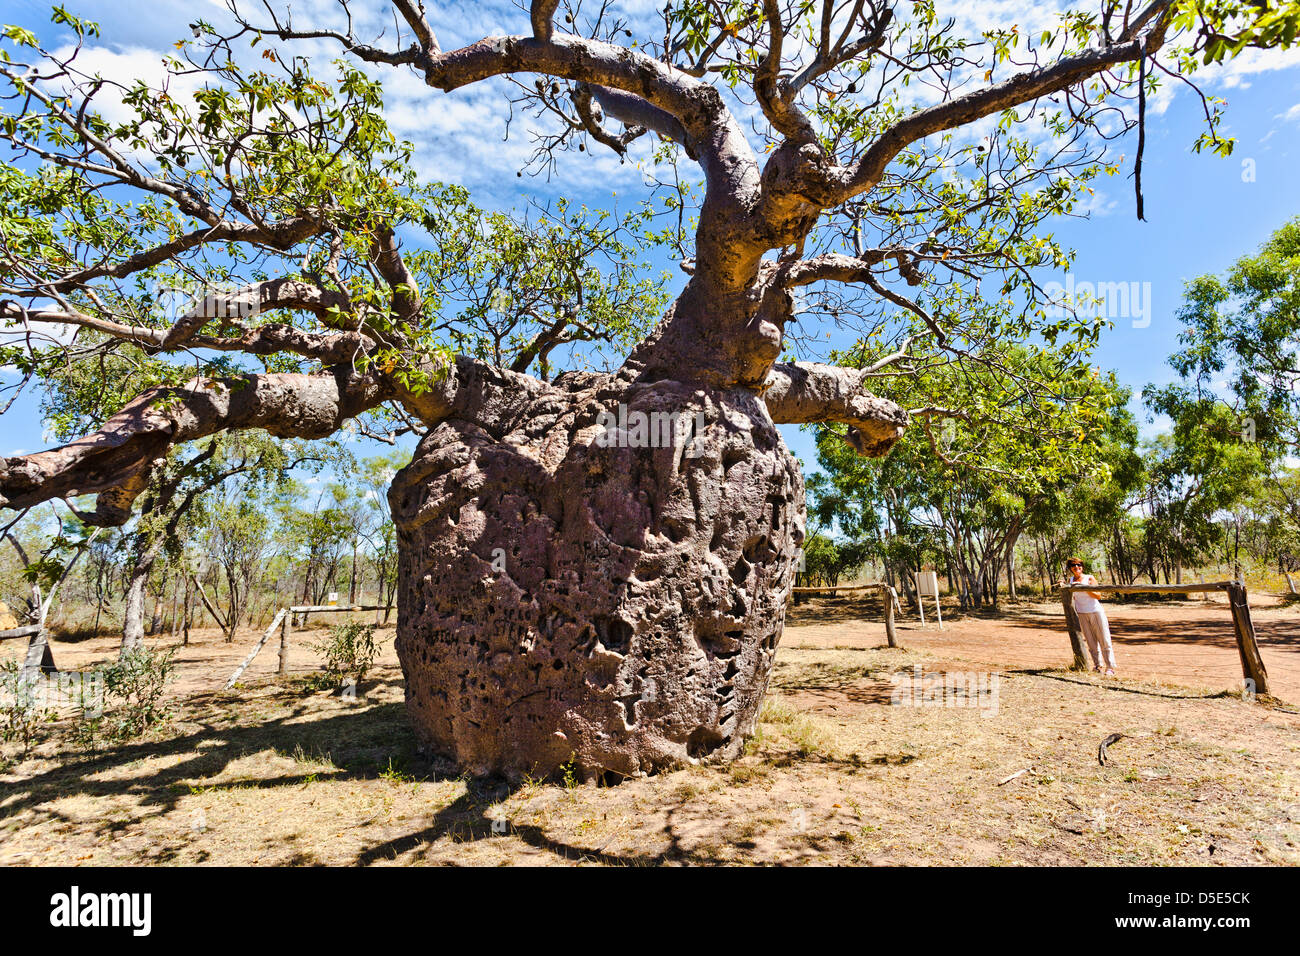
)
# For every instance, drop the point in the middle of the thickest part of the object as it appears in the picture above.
(563, 595)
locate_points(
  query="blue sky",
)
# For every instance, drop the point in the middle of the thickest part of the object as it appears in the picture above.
(1201, 211)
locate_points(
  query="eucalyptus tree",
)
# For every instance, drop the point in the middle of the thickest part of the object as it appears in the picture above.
(567, 591)
(1019, 435)
(1235, 411)
(239, 542)
(1076, 517)
(1241, 350)
(375, 475)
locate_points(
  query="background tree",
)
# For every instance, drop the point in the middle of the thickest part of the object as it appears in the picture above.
(375, 477)
(239, 540)
(1007, 436)
(1243, 329)
(1236, 411)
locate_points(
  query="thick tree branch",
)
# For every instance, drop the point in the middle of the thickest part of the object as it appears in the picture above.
(387, 257)
(268, 339)
(636, 113)
(590, 117)
(836, 267)
(229, 308)
(811, 392)
(717, 141)
(252, 299)
(1022, 88)
(779, 109)
(117, 460)
(413, 14)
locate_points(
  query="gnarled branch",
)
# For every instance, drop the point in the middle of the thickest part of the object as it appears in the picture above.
(1024, 87)
(116, 461)
(803, 392)
(542, 15)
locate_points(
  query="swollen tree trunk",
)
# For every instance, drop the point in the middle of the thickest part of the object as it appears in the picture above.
(617, 607)
(567, 590)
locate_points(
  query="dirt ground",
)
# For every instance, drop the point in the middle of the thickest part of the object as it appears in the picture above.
(1182, 642)
(854, 762)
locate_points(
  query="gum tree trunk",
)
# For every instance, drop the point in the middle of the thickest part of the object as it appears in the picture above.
(133, 618)
(618, 607)
(145, 555)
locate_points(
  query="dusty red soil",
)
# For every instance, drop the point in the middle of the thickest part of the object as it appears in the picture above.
(207, 662)
(277, 772)
(1190, 643)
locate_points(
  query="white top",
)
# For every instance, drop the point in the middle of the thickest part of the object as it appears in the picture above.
(1085, 603)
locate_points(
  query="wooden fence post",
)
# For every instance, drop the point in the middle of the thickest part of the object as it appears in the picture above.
(256, 647)
(891, 603)
(285, 627)
(1072, 622)
(1252, 665)
(891, 597)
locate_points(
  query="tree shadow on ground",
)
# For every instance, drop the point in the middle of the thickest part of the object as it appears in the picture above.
(465, 821)
(1067, 677)
(361, 744)
(1282, 635)
(358, 743)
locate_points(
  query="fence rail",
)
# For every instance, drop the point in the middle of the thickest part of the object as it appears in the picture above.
(890, 636)
(17, 632)
(284, 621)
(1252, 664)
(1153, 588)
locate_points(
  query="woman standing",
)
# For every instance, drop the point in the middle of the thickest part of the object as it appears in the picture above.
(1092, 618)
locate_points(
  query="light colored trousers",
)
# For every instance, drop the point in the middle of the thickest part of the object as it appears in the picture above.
(1097, 630)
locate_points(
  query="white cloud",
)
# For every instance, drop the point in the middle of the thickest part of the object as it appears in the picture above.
(461, 137)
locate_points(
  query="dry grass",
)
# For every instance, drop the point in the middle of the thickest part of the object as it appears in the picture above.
(275, 774)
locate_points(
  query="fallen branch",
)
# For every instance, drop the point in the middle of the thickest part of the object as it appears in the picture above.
(203, 596)
(1101, 750)
(1019, 773)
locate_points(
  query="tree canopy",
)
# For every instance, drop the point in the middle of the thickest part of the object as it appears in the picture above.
(276, 195)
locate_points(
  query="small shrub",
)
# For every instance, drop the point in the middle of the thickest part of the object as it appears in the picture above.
(396, 774)
(349, 653)
(570, 773)
(135, 684)
(21, 717)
